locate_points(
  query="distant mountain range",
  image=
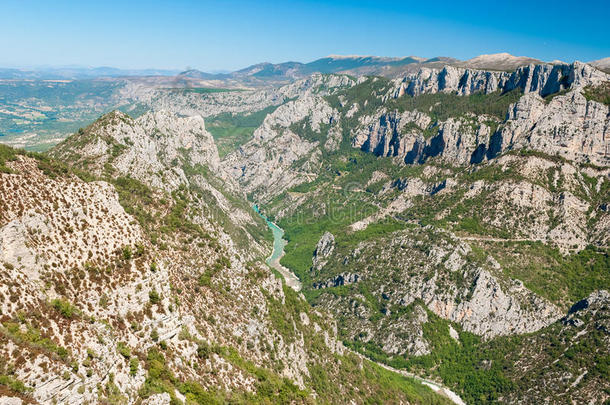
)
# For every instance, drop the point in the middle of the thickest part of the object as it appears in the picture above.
(77, 73)
(270, 73)
(331, 64)
(602, 64)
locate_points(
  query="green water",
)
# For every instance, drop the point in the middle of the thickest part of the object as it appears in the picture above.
(278, 233)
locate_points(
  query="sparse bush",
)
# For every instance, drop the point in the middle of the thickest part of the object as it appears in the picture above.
(65, 308)
(140, 250)
(154, 297)
(123, 349)
(127, 253)
(153, 267)
(13, 384)
(203, 350)
(133, 366)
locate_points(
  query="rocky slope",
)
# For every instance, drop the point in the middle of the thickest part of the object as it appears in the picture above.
(443, 274)
(499, 61)
(543, 79)
(570, 359)
(125, 280)
(168, 153)
(264, 162)
(399, 255)
(601, 64)
(389, 252)
(569, 125)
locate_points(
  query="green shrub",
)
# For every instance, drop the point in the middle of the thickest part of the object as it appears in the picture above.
(65, 308)
(32, 337)
(203, 350)
(154, 297)
(126, 252)
(599, 93)
(14, 384)
(140, 250)
(133, 366)
(123, 349)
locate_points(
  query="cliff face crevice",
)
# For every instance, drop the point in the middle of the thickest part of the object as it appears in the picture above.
(457, 115)
(542, 79)
(568, 125)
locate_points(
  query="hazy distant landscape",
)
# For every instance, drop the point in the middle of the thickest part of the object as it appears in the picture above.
(41, 107)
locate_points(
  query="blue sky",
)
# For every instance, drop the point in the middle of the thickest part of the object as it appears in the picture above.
(227, 35)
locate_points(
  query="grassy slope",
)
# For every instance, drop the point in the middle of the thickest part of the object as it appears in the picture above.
(233, 130)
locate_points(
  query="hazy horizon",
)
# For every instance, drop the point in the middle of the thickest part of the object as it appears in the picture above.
(209, 36)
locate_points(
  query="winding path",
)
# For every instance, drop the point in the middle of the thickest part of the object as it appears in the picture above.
(433, 385)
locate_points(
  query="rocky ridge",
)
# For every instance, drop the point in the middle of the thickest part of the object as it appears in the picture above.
(265, 162)
(543, 79)
(569, 125)
(481, 302)
(143, 280)
(407, 118)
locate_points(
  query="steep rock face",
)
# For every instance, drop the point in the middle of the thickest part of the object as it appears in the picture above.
(402, 135)
(569, 126)
(284, 151)
(324, 248)
(146, 148)
(542, 79)
(264, 164)
(388, 119)
(482, 302)
(166, 152)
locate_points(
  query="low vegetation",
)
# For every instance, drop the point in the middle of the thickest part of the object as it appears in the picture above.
(563, 279)
(600, 93)
(65, 308)
(32, 337)
(233, 130)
